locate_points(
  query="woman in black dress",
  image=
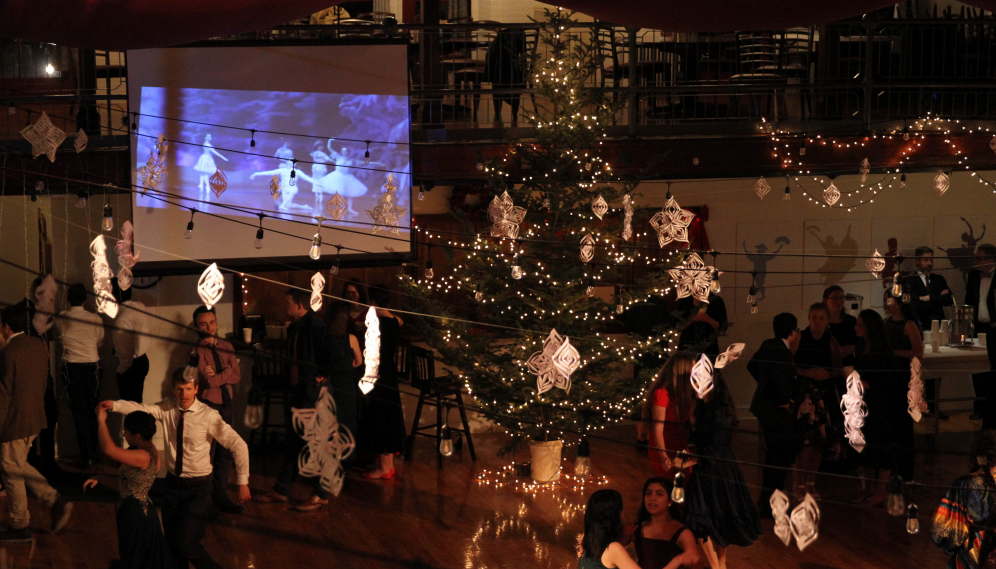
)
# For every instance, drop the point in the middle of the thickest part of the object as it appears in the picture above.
(902, 330)
(718, 507)
(703, 323)
(842, 329)
(817, 365)
(346, 361)
(382, 425)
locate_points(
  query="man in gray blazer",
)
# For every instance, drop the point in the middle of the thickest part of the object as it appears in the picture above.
(23, 379)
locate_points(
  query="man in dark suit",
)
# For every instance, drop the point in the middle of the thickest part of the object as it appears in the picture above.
(979, 293)
(774, 370)
(23, 380)
(930, 294)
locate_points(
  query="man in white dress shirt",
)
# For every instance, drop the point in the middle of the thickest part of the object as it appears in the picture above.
(189, 427)
(131, 341)
(82, 332)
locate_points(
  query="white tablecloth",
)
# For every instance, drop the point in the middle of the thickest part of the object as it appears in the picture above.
(955, 366)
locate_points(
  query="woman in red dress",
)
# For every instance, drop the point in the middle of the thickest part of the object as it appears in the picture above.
(669, 403)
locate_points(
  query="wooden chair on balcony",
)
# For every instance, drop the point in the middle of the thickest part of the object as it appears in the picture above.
(443, 392)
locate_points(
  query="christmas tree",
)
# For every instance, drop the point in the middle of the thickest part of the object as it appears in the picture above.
(557, 239)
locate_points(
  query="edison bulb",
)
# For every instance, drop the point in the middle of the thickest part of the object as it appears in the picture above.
(753, 308)
(591, 291)
(107, 223)
(678, 492)
(258, 242)
(517, 272)
(478, 296)
(620, 309)
(189, 233)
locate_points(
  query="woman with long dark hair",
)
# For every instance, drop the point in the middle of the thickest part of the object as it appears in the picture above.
(666, 412)
(661, 540)
(603, 528)
(718, 507)
(902, 329)
(963, 523)
(346, 359)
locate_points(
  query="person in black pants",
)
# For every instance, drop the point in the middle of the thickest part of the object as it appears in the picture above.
(131, 342)
(81, 333)
(773, 368)
(980, 294)
(46, 438)
(930, 294)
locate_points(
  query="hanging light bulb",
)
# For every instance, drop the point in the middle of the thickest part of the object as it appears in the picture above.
(912, 520)
(428, 269)
(678, 492)
(189, 233)
(421, 193)
(753, 308)
(293, 176)
(81, 199)
(50, 69)
(894, 502)
(897, 288)
(752, 295)
(190, 372)
(134, 125)
(366, 155)
(906, 295)
(788, 193)
(478, 295)
(316, 247)
(546, 201)
(590, 291)
(252, 141)
(516, 267)
(716, 287)
(802, 149)
(107, 223)
(582, 464)
(446, 437)
(902, 181)
(258, 242)
(668, 196)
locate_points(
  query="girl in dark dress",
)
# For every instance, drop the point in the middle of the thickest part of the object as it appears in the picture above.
(902, 331)
(661, 541)
(603, 528)
(817, 365)
(140, 536)
(382, 426)
(346, 361)
(718, 507)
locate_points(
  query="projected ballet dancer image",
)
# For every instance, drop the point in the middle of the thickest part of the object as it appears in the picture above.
(206, 166)
(963, 257)
(287, 191)
(840, 256)
(284, 152)
(319, 170)
(341, 180)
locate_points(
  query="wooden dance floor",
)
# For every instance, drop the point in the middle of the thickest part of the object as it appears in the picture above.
(445, 519)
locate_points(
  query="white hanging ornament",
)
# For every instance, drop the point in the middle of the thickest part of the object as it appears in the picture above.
(102, 278)
(327, 442)
(875, 264)
(693, 278)
(80, 142)
(587, 248)
(554, 365)
(371, 351)
(627, 231)
(853, 407)
(701, 376)
(336, 207)
(806, 522)
(45, 137)
(317, 286)
(761, 188)
(211, 285)
(386, 214)
(671, 223)
(914, 397)
(779, 510)
(831, 194)
(864, 170)
(505, 216)
(599, 207)
(152, 174)
(732, 353)
(941, 183)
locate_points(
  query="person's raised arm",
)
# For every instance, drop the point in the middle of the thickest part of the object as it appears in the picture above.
(158, 411)
(132, 457)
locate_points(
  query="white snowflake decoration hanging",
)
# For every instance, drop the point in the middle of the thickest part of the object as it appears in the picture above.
(693, 278)
(671, 223)
(875, 264)
(941, 183)
(914, 397)
(505, 216)
(152, 174)
(587, 248)
(211, 285)
(599, 207)
(864, 170)
(44, 301)
(386, 214)
(554, 365)
(127, 257)
(701, 376)
(779, 510)
(81, 140)
(327, 442)
(831, 194)
(853, 407)
(317, 286)
(45, 137)
(806, 522)
(732, 353)
(371, 351)
(102, 278)
(627, 231)
(761, 188)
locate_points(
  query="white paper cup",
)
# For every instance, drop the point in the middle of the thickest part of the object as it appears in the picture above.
(935, 326)
(982, 338)
(247, 335)
(935, 342)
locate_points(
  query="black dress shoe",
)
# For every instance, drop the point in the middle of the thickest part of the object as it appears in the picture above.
(229, 507)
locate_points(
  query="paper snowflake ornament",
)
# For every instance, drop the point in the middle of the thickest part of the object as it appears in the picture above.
(44, 137)
(127, 256)
(336, 207)
(599, 207)
(627, 231)
(505, 216)
(941, 183)
(371, 351)
(853, 407)
(779, 510)
(81, 140)
(275, 187)
(211, 285)
(554, 365)
(587, 248)
(701, 376)
(102, 278)
(327, 443)
(761, 188)
(914, 397)
(152, 174)
(864, 169)
(218, 182)
(805, 522)
(732, 353)
(44, 302)
(693, 278)
(671, 223)
(386, 214)
(317, 286)
(831, 194)
(875, 264)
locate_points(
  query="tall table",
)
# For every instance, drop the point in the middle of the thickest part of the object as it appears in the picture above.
(956, 365)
